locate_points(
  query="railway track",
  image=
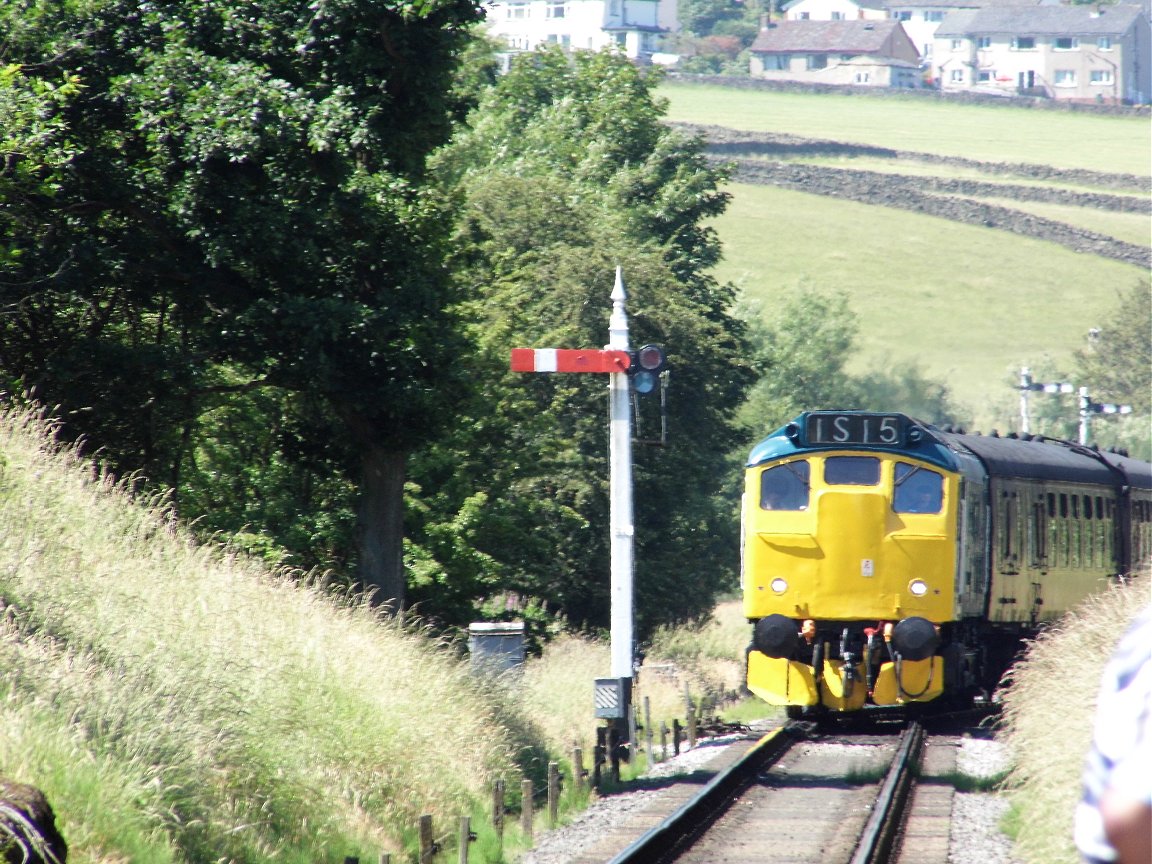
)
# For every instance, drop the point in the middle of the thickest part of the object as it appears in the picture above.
(792, 797)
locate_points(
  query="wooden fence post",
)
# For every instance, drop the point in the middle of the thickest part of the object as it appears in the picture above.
(675, 737)
(385, 858)
(633, 749)
(648, 730)
(427, 840)
(663, 741)
(598, 755)
(578, 768)
(613, 754)
(465, 838)
(553, 793)
(526, 808)
(498, 809)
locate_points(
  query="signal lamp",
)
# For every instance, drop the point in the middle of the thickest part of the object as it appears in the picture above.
(645, 366)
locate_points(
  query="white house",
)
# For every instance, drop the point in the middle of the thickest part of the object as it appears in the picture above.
(920, 18)
(632, 25)
(1075, 53)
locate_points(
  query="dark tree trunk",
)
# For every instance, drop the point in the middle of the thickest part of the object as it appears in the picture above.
(380, 523)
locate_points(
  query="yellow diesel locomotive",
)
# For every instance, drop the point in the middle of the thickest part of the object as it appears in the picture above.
(885, 561)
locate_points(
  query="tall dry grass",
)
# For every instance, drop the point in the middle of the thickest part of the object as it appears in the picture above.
(181, 703)
(177, 702)
(1049, 708)
(702, 664)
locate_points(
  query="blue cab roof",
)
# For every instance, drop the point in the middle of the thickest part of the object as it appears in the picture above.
(1035, 458)
(919, 441)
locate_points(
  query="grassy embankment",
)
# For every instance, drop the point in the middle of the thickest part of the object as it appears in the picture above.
(178, 703)
(969, 304)
(1048, 716)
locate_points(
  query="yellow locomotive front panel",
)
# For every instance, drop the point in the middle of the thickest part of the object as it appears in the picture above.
(870, 538)
(849, 532)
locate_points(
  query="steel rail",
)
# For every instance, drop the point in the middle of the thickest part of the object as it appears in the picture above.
(662, 841)
(879, 835)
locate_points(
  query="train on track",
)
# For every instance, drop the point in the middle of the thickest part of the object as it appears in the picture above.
(888, 562)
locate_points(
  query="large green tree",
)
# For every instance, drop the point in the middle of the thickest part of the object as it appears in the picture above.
(566, 171)
(244, 211)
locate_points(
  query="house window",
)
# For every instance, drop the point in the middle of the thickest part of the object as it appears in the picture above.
(517, 10)
(555, 10)
(984, 76)
(926, 51)
(957, 44)
(1064, 78)
(1024, 43)
(837, 16)
(563, 40)
(984, 42)
(903, 16)
(803, 16)
(1101, 76)
(935, 17)
(863, 77)
(1104, 43)
(956, 76)
(817, 61)
(777, 62)
(1065, 43)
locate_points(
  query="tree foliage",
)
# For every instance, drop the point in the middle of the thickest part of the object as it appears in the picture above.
(804, 344)
(567, 171)
(243, 209)
(1117, 363)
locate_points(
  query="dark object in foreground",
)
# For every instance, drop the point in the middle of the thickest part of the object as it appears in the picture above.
(28, 831)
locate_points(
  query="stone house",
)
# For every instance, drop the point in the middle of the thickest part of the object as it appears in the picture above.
(863, 52)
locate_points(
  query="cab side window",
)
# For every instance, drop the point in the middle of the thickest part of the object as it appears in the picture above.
(918, 490)
(785, 487)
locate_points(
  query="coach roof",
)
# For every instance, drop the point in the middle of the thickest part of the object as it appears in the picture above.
(1037, 459)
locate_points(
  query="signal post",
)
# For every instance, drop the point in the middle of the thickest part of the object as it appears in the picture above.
(627, 370)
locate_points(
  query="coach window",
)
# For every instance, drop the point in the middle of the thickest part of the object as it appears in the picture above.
(851, 471)
(785, 487)
(918, 490)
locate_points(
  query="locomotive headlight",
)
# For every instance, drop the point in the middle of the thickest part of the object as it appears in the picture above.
(778, 585)
(918, 587)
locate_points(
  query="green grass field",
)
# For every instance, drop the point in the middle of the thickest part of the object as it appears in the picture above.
(969, 304)
(996, 133)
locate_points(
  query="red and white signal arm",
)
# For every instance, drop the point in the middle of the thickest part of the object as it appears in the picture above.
(569, 360)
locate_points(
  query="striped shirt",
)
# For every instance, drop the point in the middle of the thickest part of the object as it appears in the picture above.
(1120, 758)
